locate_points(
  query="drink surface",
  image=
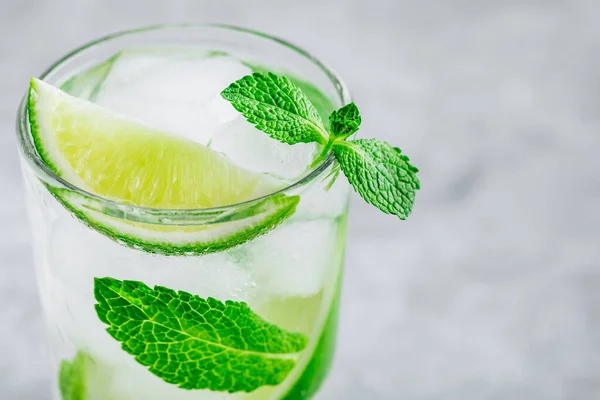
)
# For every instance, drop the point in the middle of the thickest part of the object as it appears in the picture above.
(288, 277)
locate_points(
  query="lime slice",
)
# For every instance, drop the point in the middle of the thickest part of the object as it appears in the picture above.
(121, 159)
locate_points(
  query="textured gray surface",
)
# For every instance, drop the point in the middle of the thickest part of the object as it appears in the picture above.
(492, 289)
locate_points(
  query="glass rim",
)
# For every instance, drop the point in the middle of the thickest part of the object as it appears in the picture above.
(30, 153)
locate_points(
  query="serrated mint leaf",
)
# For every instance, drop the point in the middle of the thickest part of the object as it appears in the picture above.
(321, 102)
(72, 377)
(278, 107)
(380, 173)
(196, 343)
(345, 121)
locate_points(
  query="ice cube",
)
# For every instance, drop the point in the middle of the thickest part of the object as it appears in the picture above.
(172, 91)
(294, 260)
(255, 150)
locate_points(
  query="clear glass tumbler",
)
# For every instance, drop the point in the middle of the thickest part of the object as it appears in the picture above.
(285, 281)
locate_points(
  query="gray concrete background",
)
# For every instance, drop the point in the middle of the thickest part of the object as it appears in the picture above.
(492, 289)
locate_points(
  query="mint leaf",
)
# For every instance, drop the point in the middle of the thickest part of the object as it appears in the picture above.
(321, 102)
(196, 343)
(345, 121)
(380, 173)
(278, 107)
(72, 377)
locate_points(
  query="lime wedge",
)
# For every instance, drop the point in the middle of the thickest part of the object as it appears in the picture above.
(123, 160)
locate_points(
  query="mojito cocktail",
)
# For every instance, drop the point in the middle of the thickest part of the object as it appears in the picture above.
(187, 189)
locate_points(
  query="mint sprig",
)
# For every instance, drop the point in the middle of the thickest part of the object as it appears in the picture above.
(379, 172)
(196, 343)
